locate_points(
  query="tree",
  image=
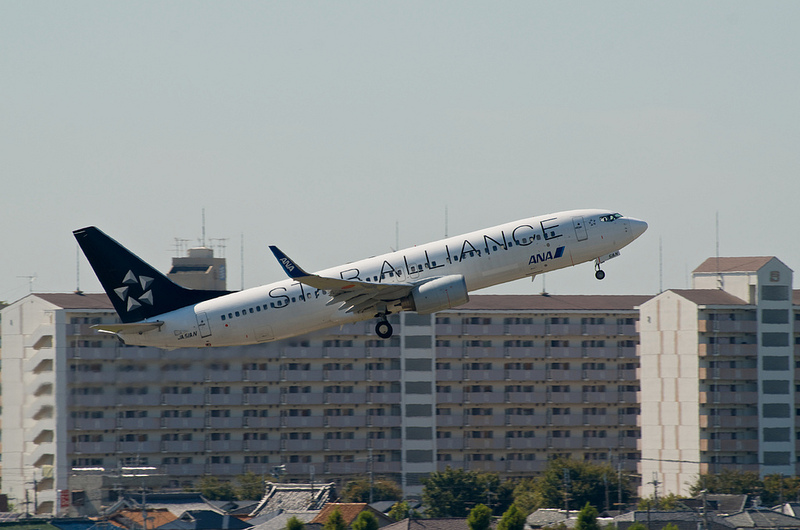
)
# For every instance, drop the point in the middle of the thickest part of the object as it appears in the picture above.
(637, 526)
(586, 483)
(512, 519)
(249, 487)
(479, 518)
(365, 521)
(779, 488)
(294, 523)
(335, 521)
(382, 490)
(668, 502)
(452, 492)
(729, 481)
(399, 511)
(212, 489)
(587, 518)
(526, 496)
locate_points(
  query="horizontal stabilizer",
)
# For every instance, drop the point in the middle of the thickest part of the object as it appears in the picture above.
(126, 329)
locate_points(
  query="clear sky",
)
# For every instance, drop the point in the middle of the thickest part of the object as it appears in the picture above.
(334, 129)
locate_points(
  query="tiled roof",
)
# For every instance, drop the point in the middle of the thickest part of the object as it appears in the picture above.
(205, 520)
(77, 301)
(762, 518)
(278, 522)
(738, 264)
(295, 497)
(727, 503)
(176, 503)
(546, 516)
(155, 517)
(540, 302)
(709, 296)
(349, 511)
(446, 523)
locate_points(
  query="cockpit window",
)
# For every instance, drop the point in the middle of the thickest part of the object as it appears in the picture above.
(611, 217)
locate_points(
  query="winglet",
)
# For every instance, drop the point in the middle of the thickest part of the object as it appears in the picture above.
(290, 267)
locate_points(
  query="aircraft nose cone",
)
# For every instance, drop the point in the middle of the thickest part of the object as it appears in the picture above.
(637, 227)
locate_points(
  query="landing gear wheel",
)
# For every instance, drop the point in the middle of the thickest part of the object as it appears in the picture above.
(383, 329)
(599, 274)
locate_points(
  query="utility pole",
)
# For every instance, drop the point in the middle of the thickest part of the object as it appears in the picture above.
(566, 491)
(655, 484)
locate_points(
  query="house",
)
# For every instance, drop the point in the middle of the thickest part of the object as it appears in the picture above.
(349, 511)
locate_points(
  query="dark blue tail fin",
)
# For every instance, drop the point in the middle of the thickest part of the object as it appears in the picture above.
(136, 289)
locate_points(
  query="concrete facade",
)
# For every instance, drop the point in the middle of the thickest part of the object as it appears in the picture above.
(717, 373)
(500, 384)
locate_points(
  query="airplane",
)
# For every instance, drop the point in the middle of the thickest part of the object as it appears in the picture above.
(154, 311)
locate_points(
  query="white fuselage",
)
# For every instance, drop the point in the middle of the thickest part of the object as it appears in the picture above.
(484, 258)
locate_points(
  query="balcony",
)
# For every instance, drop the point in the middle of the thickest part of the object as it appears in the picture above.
(727, 326)
(525, 397)
(730, 374)
(731, 422)
(728, 397)
(526, 443)
(525, 466)
(728, 350)
(738, 446)
(182, 446)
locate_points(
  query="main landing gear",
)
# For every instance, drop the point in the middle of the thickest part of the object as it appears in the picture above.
(598, 272)
(383, 329)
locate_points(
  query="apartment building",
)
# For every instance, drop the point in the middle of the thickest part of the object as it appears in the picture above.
(718, 374)
(500, 384)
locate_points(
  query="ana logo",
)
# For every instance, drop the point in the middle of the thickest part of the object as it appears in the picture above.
(131, 282)
(538, 258)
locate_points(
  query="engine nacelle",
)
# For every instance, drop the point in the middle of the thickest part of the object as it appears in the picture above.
(438, 294)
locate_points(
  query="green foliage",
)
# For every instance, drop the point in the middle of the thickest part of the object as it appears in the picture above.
(771, 489)
(365, 521)
(587, 518)
(512, 519)
(382, 490)
(670, 526)
(526, 496)
(213, 489)
(587, 485)
(335, 521)
(452, 492)
(637, 526)
(249, 487)
(479, 518)
(294, 524)
(729, 481)
(667, 502)
(399, 511)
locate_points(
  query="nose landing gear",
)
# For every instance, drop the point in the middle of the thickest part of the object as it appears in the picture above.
(598, 272)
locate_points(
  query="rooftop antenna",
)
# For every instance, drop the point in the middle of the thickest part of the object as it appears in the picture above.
(660, 267)
(720, 283)
(30, 281)
(203, 242)
(241, 258)
(78, 270)
(445, 220)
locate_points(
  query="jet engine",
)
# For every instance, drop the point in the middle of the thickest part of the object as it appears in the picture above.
(435, 295)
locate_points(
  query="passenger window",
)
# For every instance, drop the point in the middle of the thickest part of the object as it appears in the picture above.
(251, 310)
(230, 315)
(237, 313)
(223, 317)
(258, 308)
(265, 307)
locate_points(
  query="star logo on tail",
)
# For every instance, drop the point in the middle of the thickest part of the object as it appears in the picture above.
(131, 283)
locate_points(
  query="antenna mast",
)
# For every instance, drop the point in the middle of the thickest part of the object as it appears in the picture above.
(203, 242)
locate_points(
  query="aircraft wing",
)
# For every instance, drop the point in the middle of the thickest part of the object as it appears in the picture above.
(136, 327)
(355, 296)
